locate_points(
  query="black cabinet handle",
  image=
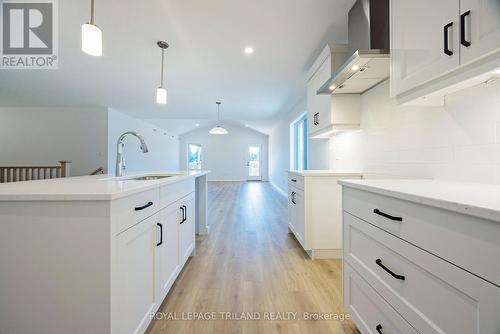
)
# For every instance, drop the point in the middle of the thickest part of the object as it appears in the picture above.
(381, 265)
(293, 197)
(446, 42)
(383, 214)
(183, 209)
(185, 212)
(463, 41)
(161, 234)
(144, 206)
(293, 180)
(316, 118)
(379, 329)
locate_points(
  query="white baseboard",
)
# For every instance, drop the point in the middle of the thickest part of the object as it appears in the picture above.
(279, 190)
(326, 254)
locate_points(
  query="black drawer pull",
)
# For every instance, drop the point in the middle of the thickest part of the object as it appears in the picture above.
(293, 180)
(379, 329)
(446, 49)
(185, 213)
(293, 197)
(182, 209)
(383, 214)
(161, 234)
(144, 206)
(463, 41)
(381, 265)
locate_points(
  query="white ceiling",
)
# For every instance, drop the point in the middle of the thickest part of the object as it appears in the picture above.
(205, 62)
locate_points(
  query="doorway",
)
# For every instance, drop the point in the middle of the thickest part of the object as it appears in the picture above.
(254, 164)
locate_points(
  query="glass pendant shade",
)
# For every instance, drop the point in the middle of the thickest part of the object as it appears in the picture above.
(218, 130)
(91, 39)
(161, 95)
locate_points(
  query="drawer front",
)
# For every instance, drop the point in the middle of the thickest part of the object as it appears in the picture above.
(296, 180)
(370, 312)
(175, 191)
(433, 295)
(128, 211)
(460, 239)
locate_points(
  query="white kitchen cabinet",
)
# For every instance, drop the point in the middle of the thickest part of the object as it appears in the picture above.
(296, 213)
(112, 254)
(167, 249)
(135, 287)
(314, 211)
(439, 47)
(482, 28)
(326, 113)
(417, 44)
(186, 228)
(318, 106)
(404, 250)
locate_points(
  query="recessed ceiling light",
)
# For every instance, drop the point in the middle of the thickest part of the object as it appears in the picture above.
(497, 71)
(249, 50)
(246, 125)
(197, 125)
(355, 67)
(332, 87)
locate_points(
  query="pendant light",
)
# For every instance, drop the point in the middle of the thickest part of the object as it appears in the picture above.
(218, 130)
(92, 35)
(161, 92)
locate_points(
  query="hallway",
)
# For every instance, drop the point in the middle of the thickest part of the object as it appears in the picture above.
(249, 263)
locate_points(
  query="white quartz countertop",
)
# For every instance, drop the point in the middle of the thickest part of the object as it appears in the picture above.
(475, 199)
(335, 173)
(89, 188)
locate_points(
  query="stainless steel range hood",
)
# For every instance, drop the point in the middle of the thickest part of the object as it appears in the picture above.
(369, 59)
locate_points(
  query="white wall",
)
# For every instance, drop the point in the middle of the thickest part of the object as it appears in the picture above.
(225, 156)
(279, 148)
(460, 141)
(44, 136)
(163, 146)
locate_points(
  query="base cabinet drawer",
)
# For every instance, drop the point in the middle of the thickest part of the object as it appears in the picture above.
(370, 312)
(463, 240)
(296, 181)
(433, 295)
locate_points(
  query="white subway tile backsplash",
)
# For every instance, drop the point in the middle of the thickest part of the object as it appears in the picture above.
(460, 141)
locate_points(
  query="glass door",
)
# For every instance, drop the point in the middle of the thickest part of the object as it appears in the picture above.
(194, 156)
(254, 164)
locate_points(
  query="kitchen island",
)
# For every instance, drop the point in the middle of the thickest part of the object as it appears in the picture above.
(95, 254)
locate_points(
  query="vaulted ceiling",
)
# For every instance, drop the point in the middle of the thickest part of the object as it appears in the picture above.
(204, 63)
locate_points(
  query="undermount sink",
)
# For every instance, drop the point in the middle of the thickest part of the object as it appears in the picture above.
(149, 177)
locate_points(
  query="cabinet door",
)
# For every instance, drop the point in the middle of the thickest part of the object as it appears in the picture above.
(167, 250)
(318, 106)
(323, 102)
(134, 292)
(291, 209)
(481, 20)
(187, 228)
(418, 52)
(299, 218)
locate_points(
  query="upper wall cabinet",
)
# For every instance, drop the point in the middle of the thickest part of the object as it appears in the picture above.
(324, 115)
(481, 21)
(438, 47)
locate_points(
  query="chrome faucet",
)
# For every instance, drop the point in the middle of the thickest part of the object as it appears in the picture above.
(120, 163)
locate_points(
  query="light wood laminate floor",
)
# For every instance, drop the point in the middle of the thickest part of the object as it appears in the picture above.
(249, 263)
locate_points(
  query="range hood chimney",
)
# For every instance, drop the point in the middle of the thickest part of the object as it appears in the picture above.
(369, 59)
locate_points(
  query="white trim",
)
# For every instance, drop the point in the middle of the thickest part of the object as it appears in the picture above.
(279, 190)
(326, 254)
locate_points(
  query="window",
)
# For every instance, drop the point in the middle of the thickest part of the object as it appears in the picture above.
(194, 156)
(298, 131)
